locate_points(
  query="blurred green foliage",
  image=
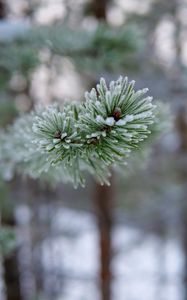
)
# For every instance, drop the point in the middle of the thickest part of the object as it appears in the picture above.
(16, 58)
(7, 234)
(6, 205)
(7, 240)
(8, 112)
(101, 49)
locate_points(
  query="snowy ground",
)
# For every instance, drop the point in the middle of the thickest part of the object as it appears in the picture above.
(144, 267)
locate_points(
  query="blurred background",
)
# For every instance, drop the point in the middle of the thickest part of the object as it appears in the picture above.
(127, 242)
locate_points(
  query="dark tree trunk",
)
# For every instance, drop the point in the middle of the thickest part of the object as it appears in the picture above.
(35, 192)
(99, 7)
(182, 130)
(10, 263)
(11, 277)
(104, 213)
(2, 10)
(11, 269)
(103, 200)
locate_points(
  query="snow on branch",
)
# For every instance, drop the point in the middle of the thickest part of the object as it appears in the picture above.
(61, 143)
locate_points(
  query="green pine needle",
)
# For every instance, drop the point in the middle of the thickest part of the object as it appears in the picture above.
(62, 143)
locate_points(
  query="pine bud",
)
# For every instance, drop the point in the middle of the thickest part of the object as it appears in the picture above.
(116, 114)
(57, 134)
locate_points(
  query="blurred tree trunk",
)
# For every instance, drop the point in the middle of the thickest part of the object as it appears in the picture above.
(2, 10)
(104, 197)
(11, 269)
(34, 192)
(181, 123)
(10, 263)
(99, 7)
(103, 200)
(2, 285)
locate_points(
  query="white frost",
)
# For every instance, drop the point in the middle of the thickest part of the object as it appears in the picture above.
(99, 119)
(110, 121)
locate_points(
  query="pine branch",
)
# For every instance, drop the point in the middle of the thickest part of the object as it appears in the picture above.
(98, 49)
(63, 143)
